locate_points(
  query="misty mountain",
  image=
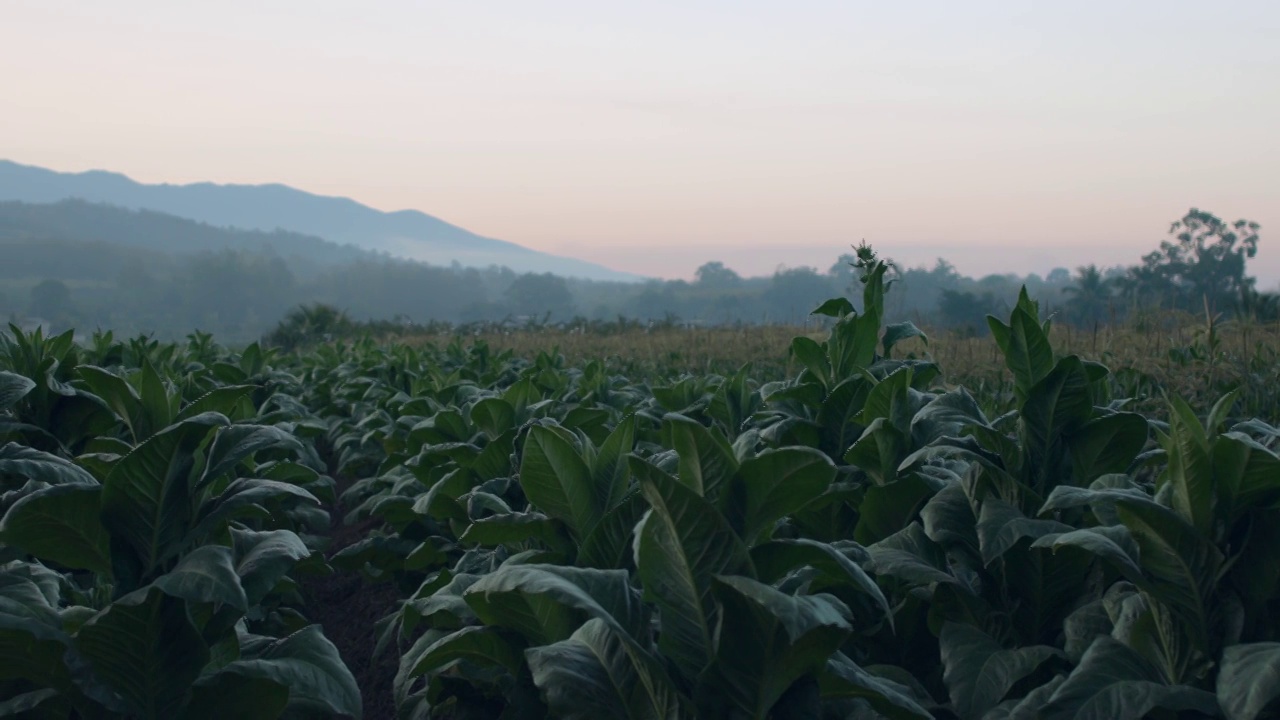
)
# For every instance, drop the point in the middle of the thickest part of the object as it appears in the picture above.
(407, 233)
(39, 233)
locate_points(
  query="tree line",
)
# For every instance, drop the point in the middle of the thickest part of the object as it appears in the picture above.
(240, 293)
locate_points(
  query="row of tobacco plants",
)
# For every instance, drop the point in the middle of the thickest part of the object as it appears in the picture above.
(157, 503)
(860, 540)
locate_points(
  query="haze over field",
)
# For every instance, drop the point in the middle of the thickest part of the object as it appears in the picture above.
(654, 137)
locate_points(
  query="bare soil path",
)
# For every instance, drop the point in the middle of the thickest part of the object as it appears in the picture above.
(348, 608)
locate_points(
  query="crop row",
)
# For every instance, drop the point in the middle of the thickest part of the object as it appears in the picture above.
(858, 540)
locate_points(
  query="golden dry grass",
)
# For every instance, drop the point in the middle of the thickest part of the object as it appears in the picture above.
(1176, 357)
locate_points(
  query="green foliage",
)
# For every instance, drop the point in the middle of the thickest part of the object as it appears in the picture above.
(142, 575)
(859, 539)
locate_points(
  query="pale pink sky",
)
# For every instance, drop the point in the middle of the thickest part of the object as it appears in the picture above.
(654, 136)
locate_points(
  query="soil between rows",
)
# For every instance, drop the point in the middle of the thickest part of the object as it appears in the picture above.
(348, 607)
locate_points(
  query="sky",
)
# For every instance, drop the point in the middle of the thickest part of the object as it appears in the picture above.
(652, 137)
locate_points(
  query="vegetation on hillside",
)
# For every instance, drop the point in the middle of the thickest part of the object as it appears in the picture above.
(93, 266)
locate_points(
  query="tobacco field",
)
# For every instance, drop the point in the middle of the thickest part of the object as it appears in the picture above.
(856, 537)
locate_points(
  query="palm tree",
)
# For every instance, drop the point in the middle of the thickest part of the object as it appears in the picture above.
(1091, 296)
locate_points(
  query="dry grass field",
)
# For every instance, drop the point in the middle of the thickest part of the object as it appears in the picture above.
(1175, 355)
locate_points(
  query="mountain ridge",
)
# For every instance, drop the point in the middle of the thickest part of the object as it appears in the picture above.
(77, 221)
(408, 233)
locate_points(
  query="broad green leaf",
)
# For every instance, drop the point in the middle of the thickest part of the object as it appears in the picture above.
(1183, 564)
(145, 648)
(776, 559)
(772, 485)
(33, 464)
(559, 483)
(229, 695)
(494, 461)
(597, 674)
(264, 557)
(30, 592)
(1082, 626)
(309, 665)
(103, 445)
(430, 553)
(1028, 707)
(1220, 411)
(1249, 679)
(1047, 586)
(687, 394)
(13, 387)
(706, 459)
(517, 528)
(441, 500)
(120, 397)
(887, 509)
(1190, 471)
(1247, 474)
(610, 468)
(235, 443)
(32, 640)
(546, 603)
(813, 356)
(843, 678)
(205, 575)
(680, 545)
(220, 400)
(838, 413)
(1026, 349)
(897, 332)
(979, 672)
(493, 415)
(1255, 568)
(488, 646)
(893, 400)
(1001, 526)
(246, 496)
(1107, 444)
(945, 416)
(1101, 496)
(1114, 544)
(60, 525)
(1112, 682)
(22, 704)
(1057, 404)
(609, 545)
(911, 557)
(734, 403)
(948, 519)
(765, 641)
(146, 501)
(836, 307)
(10, 428)
(854, 339)
(154, 397)
(446, 607)
(879, 451)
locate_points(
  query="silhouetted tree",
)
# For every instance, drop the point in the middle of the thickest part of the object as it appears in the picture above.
(1091, 294)
(1203, 264)
(967, 311)
(716, 275)
(533, 294)
(50, 300)
(794, 293)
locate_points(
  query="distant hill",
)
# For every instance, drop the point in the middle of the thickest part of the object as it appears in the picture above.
(109, 230)
(406, 233)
